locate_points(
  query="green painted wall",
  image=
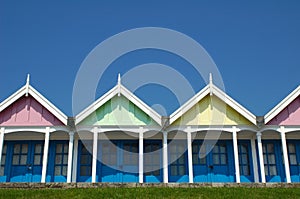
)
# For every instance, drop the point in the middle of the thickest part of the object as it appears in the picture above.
(211, 111)
(118, 111)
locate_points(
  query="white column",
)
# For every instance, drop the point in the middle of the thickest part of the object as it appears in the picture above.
(141, 157)
(70, 156)
(236, 155)
(95, 150)
(165, 157)
(74, 174)
(190, 156)
(254, 160)
(261, 157)
(45, 155)
(2, 131)
(285, 155)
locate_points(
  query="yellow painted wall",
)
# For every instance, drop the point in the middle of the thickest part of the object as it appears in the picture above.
(211, 111)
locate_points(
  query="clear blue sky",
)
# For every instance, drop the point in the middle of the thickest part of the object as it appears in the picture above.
(255, 44)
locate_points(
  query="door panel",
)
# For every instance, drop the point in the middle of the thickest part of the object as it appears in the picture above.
(294, 159)
(152, 161)
(84, 166)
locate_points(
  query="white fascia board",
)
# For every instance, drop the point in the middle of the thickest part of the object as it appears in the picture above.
(48, 105)
(95, 105)
(189, 104)
(109, 95)
(36, 95)
(234, 104)
(12, 98)
(139, 103)
(282, 105)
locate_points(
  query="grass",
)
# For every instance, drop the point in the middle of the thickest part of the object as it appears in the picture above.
(132, 193)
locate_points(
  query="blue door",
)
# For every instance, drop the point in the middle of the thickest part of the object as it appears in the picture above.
(119, 161)
(58, 161)
(214, 163)
(245, 161)
(26, 161)
(152, 161)
(272, 155)
(294, 159)
(4, 166)
(84, 166)
(178, 171)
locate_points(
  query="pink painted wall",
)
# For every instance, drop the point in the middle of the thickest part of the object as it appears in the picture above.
(26, 111)
(288, 116)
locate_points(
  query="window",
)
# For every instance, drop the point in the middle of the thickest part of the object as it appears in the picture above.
(109, 154)
(61, 159)
(85, 160)
(219, 154)
(177, 155)
(292, 154)
(199, 157)
(130, 153)
(152, 159)
(3, 159)
(269, 159)
(244, 159)
(20, 154)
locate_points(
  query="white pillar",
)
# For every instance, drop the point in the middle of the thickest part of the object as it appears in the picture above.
(70, 156)
(236, 155)
(74, 174)
(285, 155)
(141, 157)
(190, 156)
(254, 160)
(165, 157)
(45, 155)
(261, 158)
(95, 150)
(2, 131)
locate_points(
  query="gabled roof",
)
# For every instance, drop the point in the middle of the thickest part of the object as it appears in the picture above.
(282, 105)
(213, 90)
(26, 90)
(119, 89)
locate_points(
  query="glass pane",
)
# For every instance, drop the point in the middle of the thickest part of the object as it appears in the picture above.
(84, 150)
(195, 148)
(58, 159)
(216, 159)
(4, 148)
(271, 158)
(3, 159)
(64, 170)
(246, 171)
(15, 159)
(203, 160)
(85, 159)
(181, 159)
(155, 147)
(57, 171)
(181, 148)
(134, 148)
(155, 159)
(65, 161)
(126, 147)
(24, 148)
(37, 159)
(222, 149)
(1, 171)
(134, 160)
(173, 170)
(273, 171)
(83, 171)
(38, 148)
(223, 159)
(265, 159)
(267, 170)
(17, 148)
(244, 148)
(264, 148)
(126, 160)
(59, 148)
(215, 149)
(113, 159)
(245, 159)
(172, 148)
(23, 160)
(195, 159)
(147, 148)
(270, 148)
(293, 160)
(181, 170)
(66, 148)
(291, 148)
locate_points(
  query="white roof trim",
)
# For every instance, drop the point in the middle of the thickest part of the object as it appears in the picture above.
(37, 96)
(118, 89)
(282, 105)
(211, 88)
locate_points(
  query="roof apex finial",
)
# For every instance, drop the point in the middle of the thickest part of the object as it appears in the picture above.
(210, 83)
(27, 84)
(119, 85)
(119, 78)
